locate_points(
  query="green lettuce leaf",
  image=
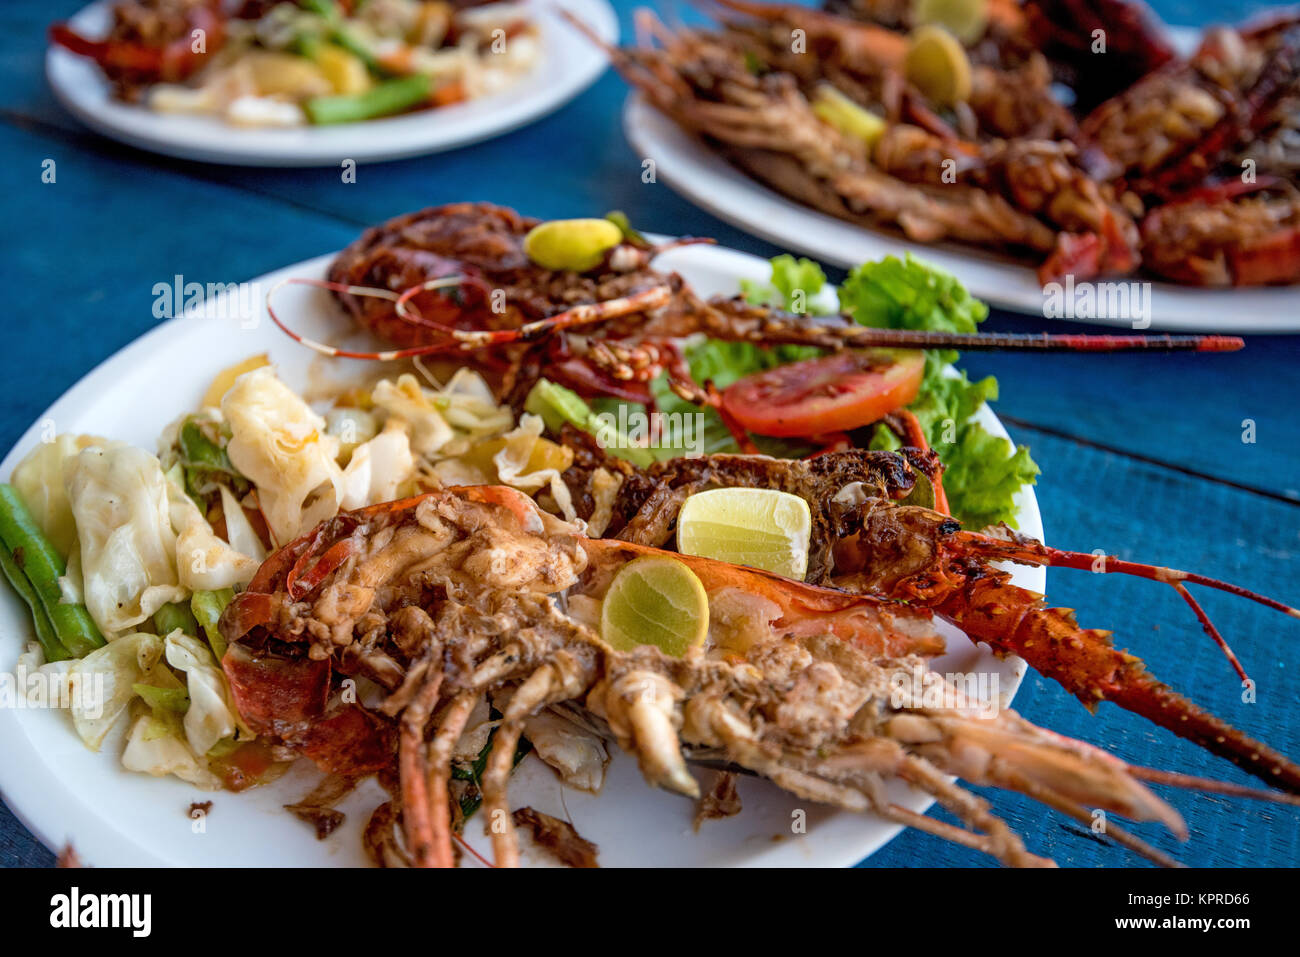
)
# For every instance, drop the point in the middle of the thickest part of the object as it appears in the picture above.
(984, 471)
(794, 285)
(908, 294)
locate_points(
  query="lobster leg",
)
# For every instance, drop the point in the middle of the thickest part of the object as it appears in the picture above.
(563, 678)
(440, 752)
(418, 825)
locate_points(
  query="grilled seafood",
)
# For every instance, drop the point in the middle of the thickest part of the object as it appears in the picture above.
(1007, 166)
(1205, 143)
(455, 281)
(1066, 30)
(464, 592)
(151, 42)
(1007, 194)
(868, 540)
(295, 62)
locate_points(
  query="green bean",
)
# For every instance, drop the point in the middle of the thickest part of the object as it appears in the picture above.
(175, 615)
(391, 96)
(50, 644)
(344, 37)
(325, 8)
(40, 561)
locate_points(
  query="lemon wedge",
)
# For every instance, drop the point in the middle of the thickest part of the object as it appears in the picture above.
(748, 526)
(937, 65)
(833, 107)
(575, 244)
(655, 600)
(965, 19)
(226, 378)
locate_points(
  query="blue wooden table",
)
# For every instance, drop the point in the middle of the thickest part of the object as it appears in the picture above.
(1142, 456)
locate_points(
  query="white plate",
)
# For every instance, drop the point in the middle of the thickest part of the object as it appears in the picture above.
(568, 64)
(701, 175)
(65, 793)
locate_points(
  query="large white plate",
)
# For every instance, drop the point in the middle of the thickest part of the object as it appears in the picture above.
(65, 793)
(569, 63)
(701, 175)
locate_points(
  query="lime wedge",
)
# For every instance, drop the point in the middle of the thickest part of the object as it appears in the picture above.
(748, 526)
(937, 65)
(576, 244)
(655, 600)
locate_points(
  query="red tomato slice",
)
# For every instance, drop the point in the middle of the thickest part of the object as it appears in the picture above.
(834, 393)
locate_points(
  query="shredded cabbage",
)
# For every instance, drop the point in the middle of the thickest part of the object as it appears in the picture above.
(203, 561)
(39, 479)
(155, 747)
(210, 716)
(239, 531)
(471, 406)
(406, 401)
(378, 468)
(107, 676)
(512, 465)
(281, 445)
(119, 500)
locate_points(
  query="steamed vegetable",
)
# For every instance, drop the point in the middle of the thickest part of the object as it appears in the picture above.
(156, 745)
(210, 715)
(39, 480)
(119, 499)
(378, 468)
(175, 616)
(282, 446)
(207, 607)
(35, 557)
(521, 459)
(383, 99)
(556, 405)
(113, 671)
(50, 645)
(203, 560)
(405, 399)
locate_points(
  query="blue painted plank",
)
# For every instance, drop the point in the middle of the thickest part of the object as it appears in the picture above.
(1226, 415)
(79, 283)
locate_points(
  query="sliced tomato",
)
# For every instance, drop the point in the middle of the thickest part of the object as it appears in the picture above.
(834, 393)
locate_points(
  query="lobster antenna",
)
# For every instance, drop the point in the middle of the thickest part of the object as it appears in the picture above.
(1211, 786)
(769, 325)
(328, 350)
(1208, 627)
(1041, 342)
(1159, 573)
